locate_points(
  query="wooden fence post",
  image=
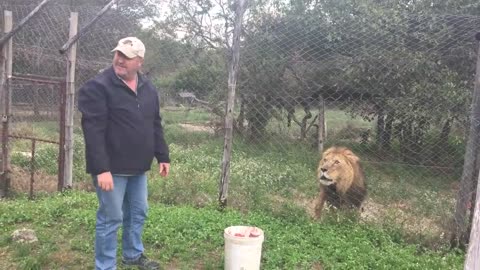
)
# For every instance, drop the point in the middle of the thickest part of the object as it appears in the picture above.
(467, 183)
(232, 83)
(70, 103)
(5, 95)
(473, 256)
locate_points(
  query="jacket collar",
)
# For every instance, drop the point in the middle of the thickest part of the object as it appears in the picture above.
(118, 82)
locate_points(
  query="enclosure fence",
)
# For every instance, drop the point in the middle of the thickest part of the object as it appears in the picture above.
(39, 81)
(396, 88)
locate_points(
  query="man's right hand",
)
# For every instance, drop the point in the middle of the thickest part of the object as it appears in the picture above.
(105, 181)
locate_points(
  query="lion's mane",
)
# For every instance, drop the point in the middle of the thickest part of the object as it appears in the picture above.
(341, 179)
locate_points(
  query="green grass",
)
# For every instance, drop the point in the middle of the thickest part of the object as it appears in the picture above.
(340, 125)
(272, 185)
(184, 237)
(46, 157)
(174, 115)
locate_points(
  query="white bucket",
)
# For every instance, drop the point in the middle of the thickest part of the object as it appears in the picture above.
(243, 247)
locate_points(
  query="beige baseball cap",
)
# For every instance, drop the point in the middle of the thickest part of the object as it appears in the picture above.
(131, 47)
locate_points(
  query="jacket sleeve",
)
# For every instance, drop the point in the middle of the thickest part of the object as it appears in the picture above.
(92, 103)
(161, 147)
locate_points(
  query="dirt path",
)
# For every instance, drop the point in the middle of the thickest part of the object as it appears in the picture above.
(197, 128)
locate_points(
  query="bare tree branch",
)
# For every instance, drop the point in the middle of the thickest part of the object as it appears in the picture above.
(198, 28)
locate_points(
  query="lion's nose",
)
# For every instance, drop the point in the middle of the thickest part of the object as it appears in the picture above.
(323, 169)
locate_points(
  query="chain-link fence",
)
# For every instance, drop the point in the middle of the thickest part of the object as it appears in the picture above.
(394, 87)
(39, 75)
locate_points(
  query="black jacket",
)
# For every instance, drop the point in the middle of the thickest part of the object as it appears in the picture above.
(122, 130)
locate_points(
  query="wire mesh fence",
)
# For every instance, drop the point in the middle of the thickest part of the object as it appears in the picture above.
(38, 71)
(394, 87)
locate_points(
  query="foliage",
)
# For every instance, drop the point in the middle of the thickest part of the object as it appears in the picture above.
(378, 60)
(206, 78)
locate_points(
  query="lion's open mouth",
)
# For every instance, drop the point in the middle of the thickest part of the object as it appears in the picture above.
(324, 180)
(323, 177)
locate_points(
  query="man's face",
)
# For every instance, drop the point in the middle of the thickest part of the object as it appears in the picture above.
(126, 68)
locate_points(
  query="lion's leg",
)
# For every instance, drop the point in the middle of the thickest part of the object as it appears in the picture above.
(320, 203)
(356, 196)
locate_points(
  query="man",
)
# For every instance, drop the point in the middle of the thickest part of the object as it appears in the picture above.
(123, 133)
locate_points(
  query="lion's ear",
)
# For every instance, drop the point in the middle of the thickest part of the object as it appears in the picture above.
(350, 155)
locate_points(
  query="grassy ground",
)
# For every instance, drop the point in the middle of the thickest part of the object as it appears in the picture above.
(272, 186)
(185, 237)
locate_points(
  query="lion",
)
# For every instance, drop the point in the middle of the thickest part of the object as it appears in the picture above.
(342, 181)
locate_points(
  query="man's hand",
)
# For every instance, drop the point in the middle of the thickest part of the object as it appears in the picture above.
(105, 181)
(164, 169)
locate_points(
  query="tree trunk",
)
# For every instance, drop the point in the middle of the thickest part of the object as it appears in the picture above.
(411, 140)
(380, 126)
(303, 127)
(241, 116)
(404, 140)
(321, 125)
(290, 114)
(387, 132)
(447, 127)
(418, 140)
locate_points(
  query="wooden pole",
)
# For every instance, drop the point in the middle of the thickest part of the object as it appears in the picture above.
(473, 262)
(82, 31)
(232, 83)
(70, 103)
(5, 95)
(20, 25)
(460, 235)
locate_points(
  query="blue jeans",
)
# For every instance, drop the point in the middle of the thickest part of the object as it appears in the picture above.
(126, 204)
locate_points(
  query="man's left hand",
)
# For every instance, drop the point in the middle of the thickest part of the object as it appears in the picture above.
(164, 169)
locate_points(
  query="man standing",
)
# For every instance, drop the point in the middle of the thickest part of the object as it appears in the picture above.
(123, 133)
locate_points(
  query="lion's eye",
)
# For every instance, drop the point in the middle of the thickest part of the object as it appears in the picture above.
(336, 162)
